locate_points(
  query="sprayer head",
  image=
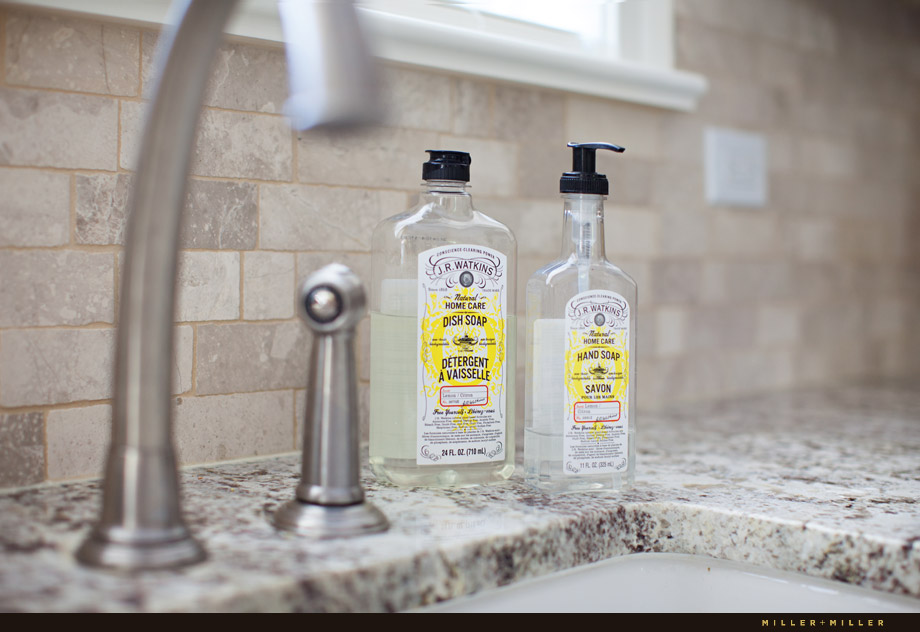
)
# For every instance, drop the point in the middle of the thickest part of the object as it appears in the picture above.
(583, 178)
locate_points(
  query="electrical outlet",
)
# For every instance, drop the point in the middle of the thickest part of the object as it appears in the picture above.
(736, 168)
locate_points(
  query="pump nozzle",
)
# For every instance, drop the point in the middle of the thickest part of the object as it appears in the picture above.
(583, 178)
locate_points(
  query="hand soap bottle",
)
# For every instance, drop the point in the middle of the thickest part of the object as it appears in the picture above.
(442, 337)
(579, 418)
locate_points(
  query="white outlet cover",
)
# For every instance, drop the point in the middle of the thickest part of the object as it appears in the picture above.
(736, 168)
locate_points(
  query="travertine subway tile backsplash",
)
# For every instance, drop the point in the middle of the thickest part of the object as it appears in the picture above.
(821, 286)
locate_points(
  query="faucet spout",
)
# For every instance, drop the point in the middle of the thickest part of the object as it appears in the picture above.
(141, 524)
(330, 74)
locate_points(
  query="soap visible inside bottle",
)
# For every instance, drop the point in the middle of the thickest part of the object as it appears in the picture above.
(442, 338)
(579, 420)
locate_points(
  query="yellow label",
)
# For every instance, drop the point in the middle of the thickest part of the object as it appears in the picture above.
(462, 349)
(596, 374)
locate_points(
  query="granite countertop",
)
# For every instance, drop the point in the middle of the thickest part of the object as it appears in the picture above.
(824, 482)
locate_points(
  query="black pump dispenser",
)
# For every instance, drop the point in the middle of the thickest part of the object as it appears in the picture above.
(447, 165)
(583, 178)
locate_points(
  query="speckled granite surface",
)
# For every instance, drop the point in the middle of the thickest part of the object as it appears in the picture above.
(823, 482)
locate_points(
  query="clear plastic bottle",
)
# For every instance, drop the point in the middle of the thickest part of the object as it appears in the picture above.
(580, 395)
(443, 338)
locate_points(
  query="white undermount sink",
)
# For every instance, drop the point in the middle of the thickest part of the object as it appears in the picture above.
(667, 582)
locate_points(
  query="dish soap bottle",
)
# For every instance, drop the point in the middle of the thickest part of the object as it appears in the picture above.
(442, 337)
(579, 418)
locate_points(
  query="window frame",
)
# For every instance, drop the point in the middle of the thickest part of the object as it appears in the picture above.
(644, 74)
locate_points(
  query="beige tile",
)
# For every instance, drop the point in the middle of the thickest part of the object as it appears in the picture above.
(778, 325)
(780, 65)
(814, 282)
(671, 331)
(775, 20)
(713, 284)
(55, 366)
(536, 224)
(55, 51)
(184, 345)
(494, 167)
(747, 372)
(812, 364)
(220, 215)
(631, 232)
(684, 234)
(35, 209)
(78, 439)
(382, 157)
(242, 145)
(217, 214)
(749, 281)
(268, 285)
(747, 105)
(228, 144)
(248, 357)
(745, 233)
(721, 327)
(716, 53)
(815, 29)
(827, 158)
(641, 273)
(727, 14)
(676, 187)
(646, 339)
(299, 217)
(681, 379)
(472, 107)
(535, 120)
(895, 358)
(862, 239)
(675, 282)
(131, 120)
(782, 153)
(415, 99)
(242, 77)
(233, 426)
(56, 287)
(102, 207)
(834, 323)
(208, 286)
(888, 317)
(682, 138)
(54, 129)
(812, 239)
(632, 179)
(22, 449)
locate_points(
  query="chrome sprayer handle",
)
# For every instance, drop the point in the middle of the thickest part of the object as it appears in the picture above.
(329, 501)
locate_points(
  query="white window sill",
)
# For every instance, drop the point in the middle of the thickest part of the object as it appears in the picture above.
(415, 42)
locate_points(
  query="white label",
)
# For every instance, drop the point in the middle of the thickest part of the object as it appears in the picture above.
(596, 383)
(462, 348)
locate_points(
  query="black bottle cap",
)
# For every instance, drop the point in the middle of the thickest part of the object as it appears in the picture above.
(583, 178)
(447, 165)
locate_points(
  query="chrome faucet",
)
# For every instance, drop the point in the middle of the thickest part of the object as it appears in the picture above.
(332, 83)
